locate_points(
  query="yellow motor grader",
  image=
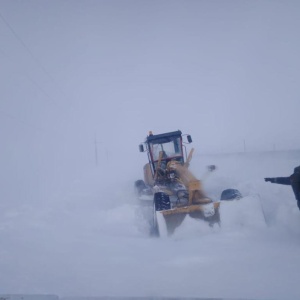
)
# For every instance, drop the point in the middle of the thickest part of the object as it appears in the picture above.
(174, 191)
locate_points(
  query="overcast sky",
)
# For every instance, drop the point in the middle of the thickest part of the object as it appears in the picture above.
(224, 71)
(227, 72)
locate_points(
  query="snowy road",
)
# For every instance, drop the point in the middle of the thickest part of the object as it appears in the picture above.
(83, 244)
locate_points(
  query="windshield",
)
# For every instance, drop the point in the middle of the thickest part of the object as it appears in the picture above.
(171, 147)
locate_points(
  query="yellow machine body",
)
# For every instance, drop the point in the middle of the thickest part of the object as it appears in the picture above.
(169, 177)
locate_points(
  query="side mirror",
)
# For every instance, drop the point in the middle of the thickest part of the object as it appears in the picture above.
(141, 148)
(189, 138)
(211, 168)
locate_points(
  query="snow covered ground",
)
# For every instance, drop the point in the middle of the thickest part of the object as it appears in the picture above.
(91, 238)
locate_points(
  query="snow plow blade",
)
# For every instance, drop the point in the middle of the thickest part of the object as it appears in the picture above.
(169, 220)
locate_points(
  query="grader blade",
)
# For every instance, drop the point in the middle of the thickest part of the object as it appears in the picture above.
(169, 220)
(168, 223)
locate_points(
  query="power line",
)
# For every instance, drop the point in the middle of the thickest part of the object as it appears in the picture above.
(31, 54)
(33, 82)
(38, 63)
(21, 121)
(18, 120)
(29, 78)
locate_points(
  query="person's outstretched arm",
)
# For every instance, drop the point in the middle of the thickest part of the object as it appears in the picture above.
(279, 180)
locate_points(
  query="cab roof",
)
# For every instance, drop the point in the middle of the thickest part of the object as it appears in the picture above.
(153, 137)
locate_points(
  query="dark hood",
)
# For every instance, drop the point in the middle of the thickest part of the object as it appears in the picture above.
(297, 170)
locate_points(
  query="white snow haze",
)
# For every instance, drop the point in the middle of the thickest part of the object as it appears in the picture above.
(82, 82)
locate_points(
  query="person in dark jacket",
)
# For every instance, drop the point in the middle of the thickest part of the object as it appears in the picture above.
(293, 180)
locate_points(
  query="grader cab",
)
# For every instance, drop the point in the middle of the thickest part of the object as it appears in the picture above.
(172, 188)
